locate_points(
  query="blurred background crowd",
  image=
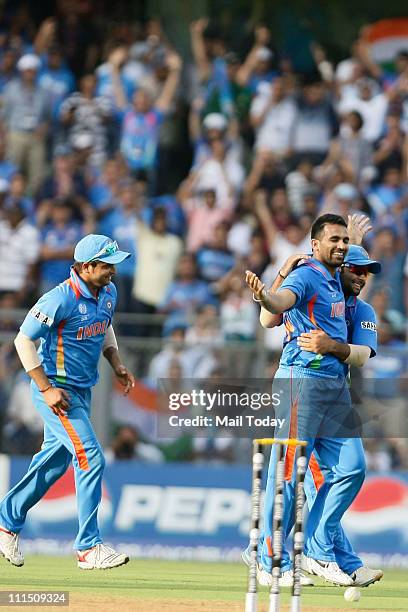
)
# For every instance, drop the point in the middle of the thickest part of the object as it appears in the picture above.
(203, 157)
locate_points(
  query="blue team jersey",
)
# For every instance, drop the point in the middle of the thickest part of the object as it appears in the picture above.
(319, 305)
(71, 324)
(361, 324)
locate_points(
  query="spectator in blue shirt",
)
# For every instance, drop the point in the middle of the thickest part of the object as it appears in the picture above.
(215, 260)
(141, 122)
(65, 181)
(103, 193)
(388, 193)
(120, 225)
(187, 292)
(17, 196)
(390, 252)
(176, 219)
(118, 55)
(58, 238)
(55, 79)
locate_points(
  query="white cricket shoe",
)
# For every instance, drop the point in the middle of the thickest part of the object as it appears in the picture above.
(328, 570)
(100, 557)
(285, 580)
(9, 547)
(363, 576)
(265, 578)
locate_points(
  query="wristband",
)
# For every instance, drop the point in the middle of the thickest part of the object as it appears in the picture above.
(46, 389)
(281, 275)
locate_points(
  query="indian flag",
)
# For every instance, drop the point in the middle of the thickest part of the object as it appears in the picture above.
(386, 38)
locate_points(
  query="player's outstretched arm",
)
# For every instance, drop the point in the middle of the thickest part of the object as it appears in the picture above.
(274, 303)
(266, 318)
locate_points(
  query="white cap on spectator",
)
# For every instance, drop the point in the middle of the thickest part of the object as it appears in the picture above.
(29, 61)
(215, 121)
(4, 185)
(345, 191)
(263, 54)
(82, 140)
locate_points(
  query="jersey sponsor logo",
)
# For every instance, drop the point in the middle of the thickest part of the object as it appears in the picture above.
(95, 329)
(82, 308)
(109, 304)
(337, 309)
(369, 325)
(41, 316)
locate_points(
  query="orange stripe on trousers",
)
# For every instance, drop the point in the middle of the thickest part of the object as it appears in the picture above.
(75, 439)
(317, 474)
(291, 450)
(269, 546)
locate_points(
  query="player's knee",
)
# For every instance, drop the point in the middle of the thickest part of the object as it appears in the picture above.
(96, 460)
(359, 466)
(100, 461)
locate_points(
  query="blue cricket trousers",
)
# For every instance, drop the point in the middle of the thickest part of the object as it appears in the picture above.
(313, 406)
(67, 439)
(317, 486)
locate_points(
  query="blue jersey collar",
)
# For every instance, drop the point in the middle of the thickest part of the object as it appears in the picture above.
(82, 287)
(351, 300)
(314, 263)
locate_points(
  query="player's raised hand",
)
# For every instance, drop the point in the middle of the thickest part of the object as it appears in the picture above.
(358, 226)
(254, 283)
(291, 263)
(57, 399)
(125, 378)
(315, 341)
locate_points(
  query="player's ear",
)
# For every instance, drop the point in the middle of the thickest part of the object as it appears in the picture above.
(315, 244)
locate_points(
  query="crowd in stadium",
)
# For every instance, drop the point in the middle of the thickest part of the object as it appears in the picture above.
(201, 169)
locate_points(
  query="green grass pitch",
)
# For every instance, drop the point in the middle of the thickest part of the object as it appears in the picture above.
(149, 586)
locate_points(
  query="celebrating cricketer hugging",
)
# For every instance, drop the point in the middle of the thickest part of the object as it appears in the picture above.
(328, 329)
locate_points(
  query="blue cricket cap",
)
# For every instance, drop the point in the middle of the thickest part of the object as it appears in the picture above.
(95, 247)
(358, 256)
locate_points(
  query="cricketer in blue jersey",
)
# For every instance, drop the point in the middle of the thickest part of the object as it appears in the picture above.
(73, 323)
(362, 331)
(311, 298)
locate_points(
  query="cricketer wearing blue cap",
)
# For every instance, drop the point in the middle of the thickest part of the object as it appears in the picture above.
(311, 298)
(73, 323)
(361, 331)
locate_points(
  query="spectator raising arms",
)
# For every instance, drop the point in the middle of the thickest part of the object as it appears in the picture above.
(84, 112)
(141, 122)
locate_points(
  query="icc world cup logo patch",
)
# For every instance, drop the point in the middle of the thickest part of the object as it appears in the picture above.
(109, 305)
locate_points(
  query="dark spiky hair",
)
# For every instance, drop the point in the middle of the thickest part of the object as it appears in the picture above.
(329, 219)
